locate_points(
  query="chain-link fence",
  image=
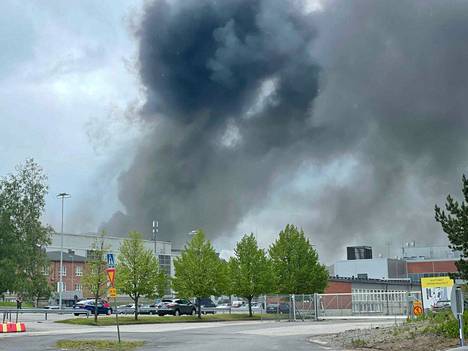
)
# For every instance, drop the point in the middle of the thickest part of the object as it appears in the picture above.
(290, 307)
(314, 306)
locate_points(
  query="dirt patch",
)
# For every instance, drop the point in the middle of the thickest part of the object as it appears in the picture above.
(410, 336)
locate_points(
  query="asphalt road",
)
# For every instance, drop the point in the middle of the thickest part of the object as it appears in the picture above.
(225, 336)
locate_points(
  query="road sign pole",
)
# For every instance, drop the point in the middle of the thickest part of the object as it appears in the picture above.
(112, 291)
(457, 305)
(117, 318)
(460, 328)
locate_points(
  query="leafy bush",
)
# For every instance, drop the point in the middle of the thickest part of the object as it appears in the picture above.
(444, 324)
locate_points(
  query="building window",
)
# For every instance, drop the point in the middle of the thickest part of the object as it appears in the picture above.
(45, 270)
(78, 287)
(165, 264)
(64, 271)
(78, 271)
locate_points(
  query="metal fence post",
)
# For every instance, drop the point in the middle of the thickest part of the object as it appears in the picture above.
(294, 306)
(316, 310)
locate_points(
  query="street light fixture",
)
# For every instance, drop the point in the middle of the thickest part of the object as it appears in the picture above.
(62, 196)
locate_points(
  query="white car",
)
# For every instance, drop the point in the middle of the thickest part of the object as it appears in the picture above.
(237, 304)
(256, 307)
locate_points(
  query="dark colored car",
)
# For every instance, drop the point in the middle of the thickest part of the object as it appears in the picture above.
(207, 304)
(282, 308)
(176, 307)
(81, 307)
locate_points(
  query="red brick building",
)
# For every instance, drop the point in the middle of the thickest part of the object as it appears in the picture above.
(418, 269)
(73, 269)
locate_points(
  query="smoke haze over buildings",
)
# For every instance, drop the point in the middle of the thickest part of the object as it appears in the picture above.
(349, 120)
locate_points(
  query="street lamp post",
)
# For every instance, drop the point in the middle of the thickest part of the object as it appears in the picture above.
(155, 233)
(62, 196)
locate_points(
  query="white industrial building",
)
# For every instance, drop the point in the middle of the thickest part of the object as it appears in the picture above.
(374, 268)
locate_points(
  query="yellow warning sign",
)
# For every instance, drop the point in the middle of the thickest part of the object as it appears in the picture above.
(112, 292)
(417, 308)
(111, 276)
(436, 282)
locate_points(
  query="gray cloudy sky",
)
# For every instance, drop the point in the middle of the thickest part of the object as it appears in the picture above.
(347, 118)
(66, 80)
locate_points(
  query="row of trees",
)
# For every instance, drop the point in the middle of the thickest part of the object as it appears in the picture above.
(23, 237)
(290, 266)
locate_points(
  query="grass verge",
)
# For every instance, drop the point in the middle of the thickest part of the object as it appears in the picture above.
(98, 345)
(13, 304)
(443, 324)
(110, 320)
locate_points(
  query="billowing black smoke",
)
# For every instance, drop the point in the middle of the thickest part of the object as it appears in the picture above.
(244, 95)
(230, 87)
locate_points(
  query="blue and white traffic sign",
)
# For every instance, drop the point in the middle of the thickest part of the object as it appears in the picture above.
(110, 260)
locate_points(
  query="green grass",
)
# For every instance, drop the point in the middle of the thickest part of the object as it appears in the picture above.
(103, 321)
(95, 345)
(13, 304)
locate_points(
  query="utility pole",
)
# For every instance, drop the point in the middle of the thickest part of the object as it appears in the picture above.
(62, 196)
(155, 233)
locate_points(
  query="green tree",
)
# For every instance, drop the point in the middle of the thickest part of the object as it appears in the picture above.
(95, 277)
(23, 237)
(295, 263)
(199, 272)
(454, 223)
(35, 286)
(138, 272)
(249, 270)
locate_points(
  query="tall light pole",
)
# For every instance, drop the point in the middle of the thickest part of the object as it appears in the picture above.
(155, 232)
(62, 196)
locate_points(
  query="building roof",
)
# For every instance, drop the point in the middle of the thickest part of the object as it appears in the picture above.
(429, 260)
(372, 281)
(112, 237)
(67, 257)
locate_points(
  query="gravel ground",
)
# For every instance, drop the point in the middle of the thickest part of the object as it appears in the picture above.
(405, 337)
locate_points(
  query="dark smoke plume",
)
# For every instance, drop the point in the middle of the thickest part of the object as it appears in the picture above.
(230, 87)
(244, 95)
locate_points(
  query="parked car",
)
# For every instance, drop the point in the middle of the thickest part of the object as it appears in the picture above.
(223, 307)
(256, 307)
(208, 304)
(441, 305)
(148, 309)
(82, 306)
(236, 304)
(125, 309)
(282, 308)
(176, 307)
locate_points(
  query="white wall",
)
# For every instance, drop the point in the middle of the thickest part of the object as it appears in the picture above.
(375, 268)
